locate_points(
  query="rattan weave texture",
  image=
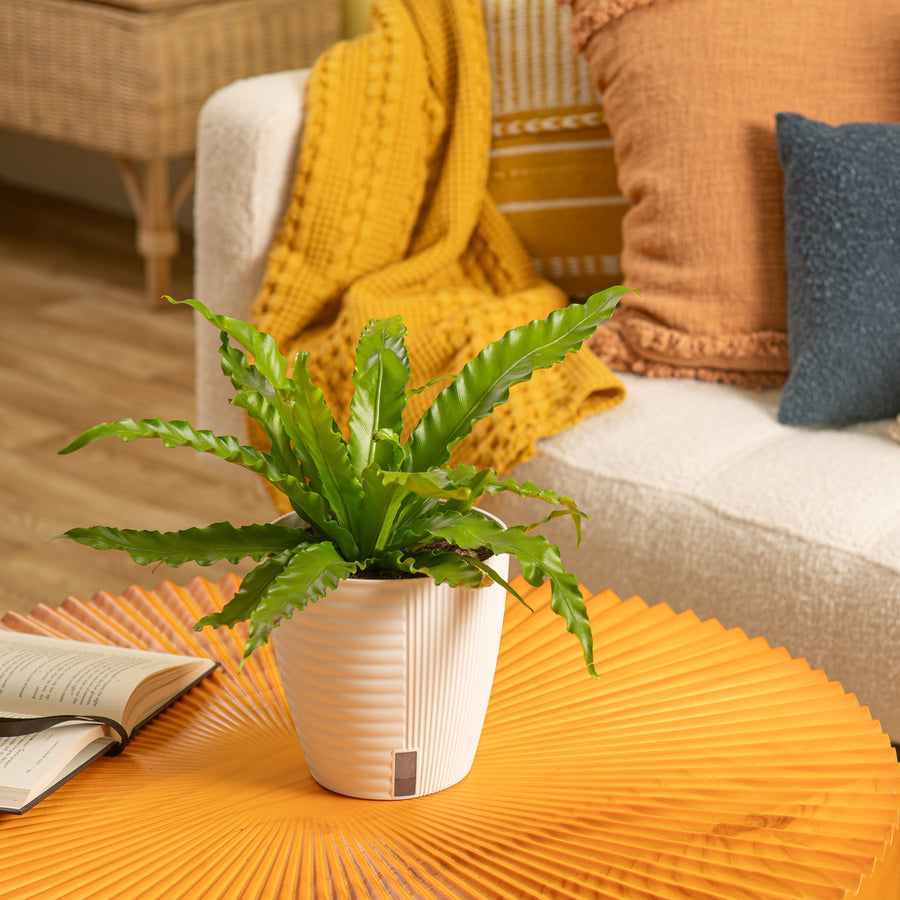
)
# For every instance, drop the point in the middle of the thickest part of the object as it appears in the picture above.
(130, 82)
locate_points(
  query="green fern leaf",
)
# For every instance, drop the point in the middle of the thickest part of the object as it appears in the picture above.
(380, 377)
(446, 567)
(485, 381)
(324, 456)
(177, 433)
(307, 576)
(257, 396)
(267, 358)
(204, 546)
(539, 559)
(253, 586)
(438, 484)
(531, 491)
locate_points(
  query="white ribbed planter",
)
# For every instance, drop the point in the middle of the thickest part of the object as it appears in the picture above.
(388, 682)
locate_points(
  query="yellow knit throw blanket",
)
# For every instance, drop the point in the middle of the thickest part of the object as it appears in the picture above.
(389, 215)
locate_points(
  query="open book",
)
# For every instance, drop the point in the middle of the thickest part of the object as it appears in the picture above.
(64, 703)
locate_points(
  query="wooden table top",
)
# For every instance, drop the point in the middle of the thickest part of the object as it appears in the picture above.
(703, 764)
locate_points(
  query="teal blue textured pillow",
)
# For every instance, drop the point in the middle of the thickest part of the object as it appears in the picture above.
(842, 242)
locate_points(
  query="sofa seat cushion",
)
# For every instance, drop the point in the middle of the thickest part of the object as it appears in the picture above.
(792, 534)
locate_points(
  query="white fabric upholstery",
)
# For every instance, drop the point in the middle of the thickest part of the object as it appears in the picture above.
(248, 135)
(697, 497)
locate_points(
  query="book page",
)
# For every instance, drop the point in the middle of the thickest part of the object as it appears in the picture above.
(32, 763)
(45, 676)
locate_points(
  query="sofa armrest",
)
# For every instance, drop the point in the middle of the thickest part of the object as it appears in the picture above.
(247, 141)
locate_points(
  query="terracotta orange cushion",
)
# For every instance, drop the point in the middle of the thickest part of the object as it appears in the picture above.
(691, 89)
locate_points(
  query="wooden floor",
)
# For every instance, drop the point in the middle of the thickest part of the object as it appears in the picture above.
(81, 346)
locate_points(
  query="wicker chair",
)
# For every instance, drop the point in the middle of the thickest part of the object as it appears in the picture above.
(128, 78)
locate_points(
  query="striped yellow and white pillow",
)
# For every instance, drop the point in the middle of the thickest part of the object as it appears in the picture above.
(552, 168)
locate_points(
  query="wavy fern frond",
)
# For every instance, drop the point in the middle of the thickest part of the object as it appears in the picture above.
(205, 546)
(485, 381)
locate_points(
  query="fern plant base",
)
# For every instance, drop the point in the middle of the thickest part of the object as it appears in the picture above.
(388, 682)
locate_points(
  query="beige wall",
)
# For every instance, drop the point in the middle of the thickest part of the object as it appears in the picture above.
(91, 178)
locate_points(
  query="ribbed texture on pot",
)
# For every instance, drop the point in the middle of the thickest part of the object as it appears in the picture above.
(342, 662)
(381, 667)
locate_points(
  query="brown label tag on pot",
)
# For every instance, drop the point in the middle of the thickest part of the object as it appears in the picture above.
(406, 763)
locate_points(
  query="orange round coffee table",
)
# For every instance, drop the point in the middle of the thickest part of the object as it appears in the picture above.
(702, 765)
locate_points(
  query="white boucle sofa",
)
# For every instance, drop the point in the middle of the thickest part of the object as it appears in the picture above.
(697, 497)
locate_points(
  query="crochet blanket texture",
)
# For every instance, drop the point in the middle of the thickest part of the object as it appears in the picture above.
(389, 214)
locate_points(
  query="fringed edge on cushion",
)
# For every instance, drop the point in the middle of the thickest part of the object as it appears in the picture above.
(766, 350)
(589, 16)
(758, 360)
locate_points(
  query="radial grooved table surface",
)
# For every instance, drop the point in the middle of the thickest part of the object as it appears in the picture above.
(703, 764)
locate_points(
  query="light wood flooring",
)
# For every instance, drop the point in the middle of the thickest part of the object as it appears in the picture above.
(81, 346)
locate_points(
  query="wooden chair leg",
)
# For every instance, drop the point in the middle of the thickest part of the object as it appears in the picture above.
(156, 210)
